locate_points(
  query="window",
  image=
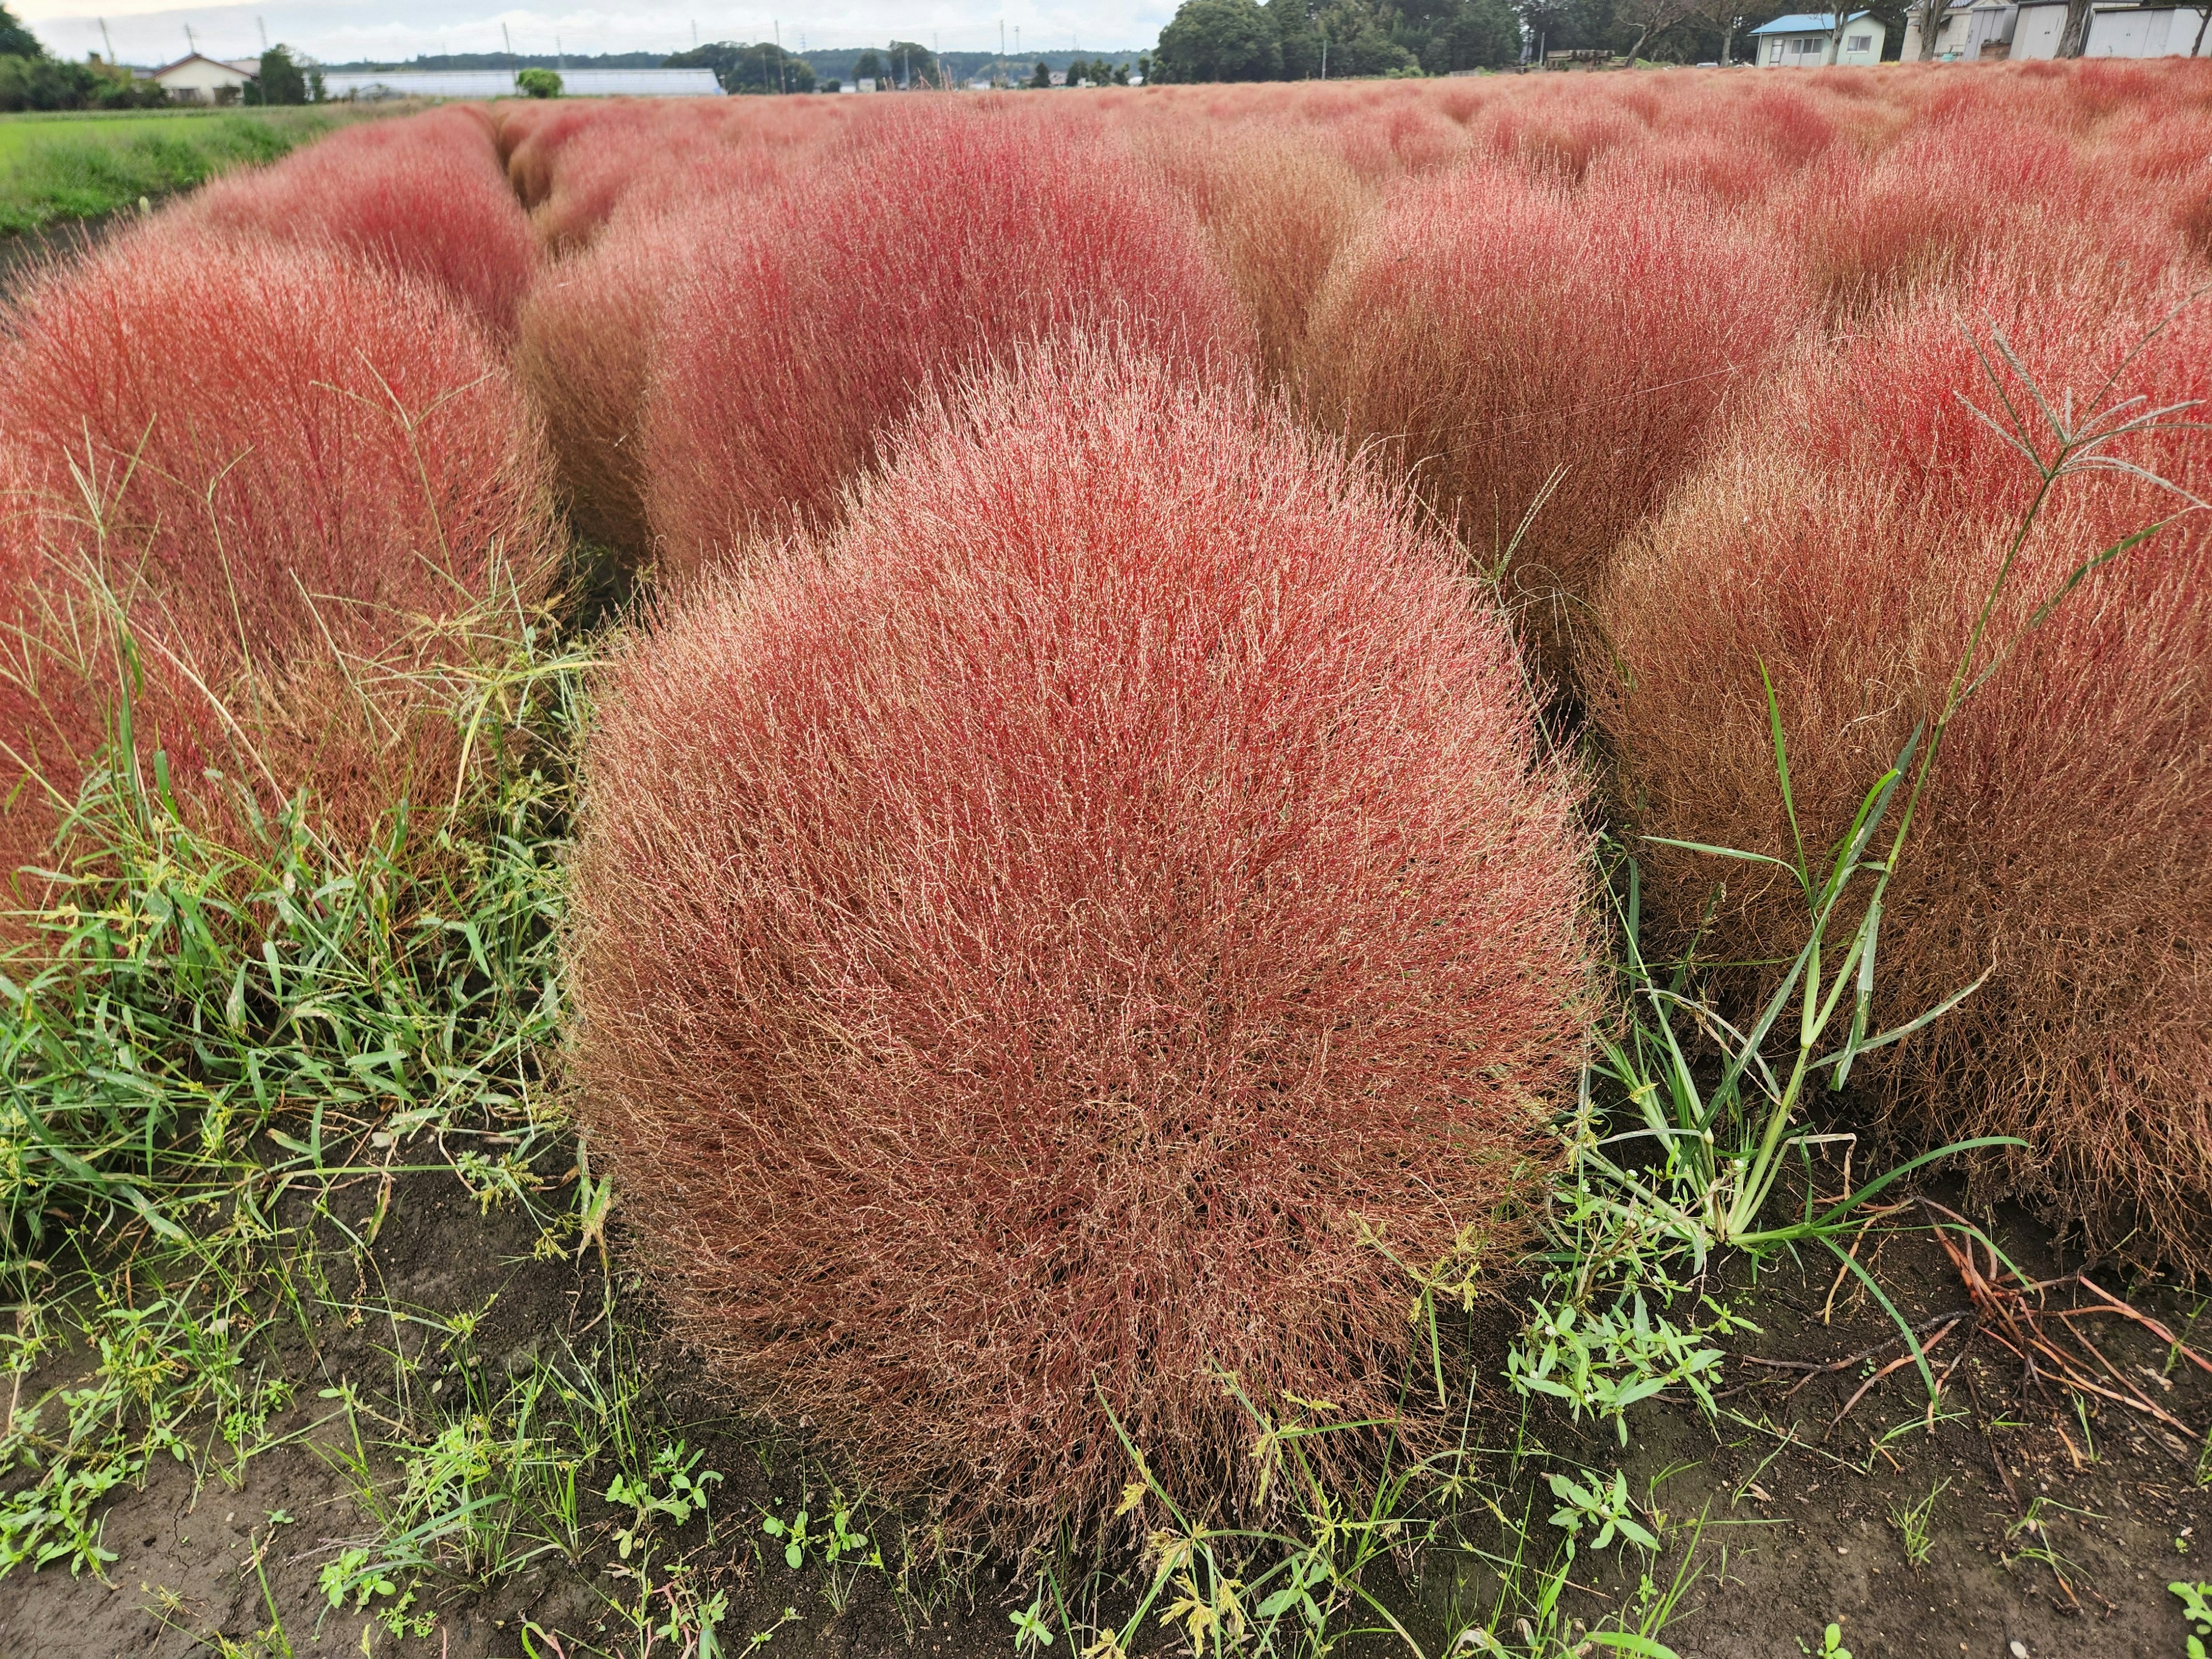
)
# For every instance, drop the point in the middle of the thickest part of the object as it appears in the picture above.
(1804, 46)
(1859, 43)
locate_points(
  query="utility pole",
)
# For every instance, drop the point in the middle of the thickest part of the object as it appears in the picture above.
(191, 44)
(104, 41)
(262, 26)
(508, 40)
(559, 54)
(782, 74)
(1324, 51)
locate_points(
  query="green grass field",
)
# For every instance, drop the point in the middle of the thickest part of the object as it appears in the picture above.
(81, 166)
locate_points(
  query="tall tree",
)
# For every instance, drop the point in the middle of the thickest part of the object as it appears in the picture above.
(280, 82)
(1930, 14)
(762, 67)
(1220, 40)
(16, 41)
(912, 63)
(1650, 19)
(1363, 38)
(1294, 29)
(2074, 38)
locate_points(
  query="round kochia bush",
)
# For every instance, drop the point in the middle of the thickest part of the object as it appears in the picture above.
(1031, 946)
(802, 331)
(314, 493)
(1844, 545)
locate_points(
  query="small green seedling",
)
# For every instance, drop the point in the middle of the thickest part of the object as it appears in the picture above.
(1831, 1644)
(686, 1484)
(761, 1639)
(1030, 1630)
(2196, 1608)
(836, 1542)
(1912, 1522)
(1605, 1507)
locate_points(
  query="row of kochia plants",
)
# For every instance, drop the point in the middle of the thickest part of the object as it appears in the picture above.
(1214, 716)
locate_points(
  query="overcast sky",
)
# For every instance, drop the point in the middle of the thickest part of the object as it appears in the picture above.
(153, 32)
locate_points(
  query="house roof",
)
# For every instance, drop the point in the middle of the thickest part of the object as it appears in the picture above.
(247, 69)
(1806, 22)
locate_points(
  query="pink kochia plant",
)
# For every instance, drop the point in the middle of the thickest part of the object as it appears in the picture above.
(309, 488)
(806, 328)
(1055, 947)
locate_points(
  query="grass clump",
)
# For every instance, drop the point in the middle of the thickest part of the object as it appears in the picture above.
(82, 166)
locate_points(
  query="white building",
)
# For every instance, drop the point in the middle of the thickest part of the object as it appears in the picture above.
(200, 80)
(1814, 40)
(2033, 28)
(499, 83)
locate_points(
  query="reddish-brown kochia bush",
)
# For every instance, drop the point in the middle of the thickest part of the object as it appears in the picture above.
(785, 354)
(1846, 542)
(425, 196)
(1278, 207)
(1925, 214)
(308, 485)
(1489, 330)
(1025, 944)
(588, 335)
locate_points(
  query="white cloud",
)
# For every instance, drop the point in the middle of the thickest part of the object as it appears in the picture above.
(153, 31)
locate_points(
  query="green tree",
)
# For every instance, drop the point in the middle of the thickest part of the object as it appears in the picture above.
(912, 65)
(1361, 40)
(280, 80)
(538, 82)
(1220, 40)
(1471, 34)
(1301, 42)
(1561, 24)
(762, 67)
(1042, 76)
(870, 67)
(16, 41)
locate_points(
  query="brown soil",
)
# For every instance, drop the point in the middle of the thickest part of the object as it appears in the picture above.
(1797, 1528)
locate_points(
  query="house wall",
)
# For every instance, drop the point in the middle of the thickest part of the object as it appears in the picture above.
(2114, 31)
(1872, 31)
(1794, 51)
(2036, 34)
(2165, 34)
(1951, 36)
(196, 83)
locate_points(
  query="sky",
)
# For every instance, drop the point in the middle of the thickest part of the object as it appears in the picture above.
(153, 32)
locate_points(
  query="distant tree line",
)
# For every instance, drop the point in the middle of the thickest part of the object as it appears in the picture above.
(29, 79)
(1300, 40)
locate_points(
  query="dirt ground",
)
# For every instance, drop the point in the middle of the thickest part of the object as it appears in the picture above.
(2052, 1527)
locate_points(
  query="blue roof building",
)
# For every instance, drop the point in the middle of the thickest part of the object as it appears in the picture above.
(1813, 39)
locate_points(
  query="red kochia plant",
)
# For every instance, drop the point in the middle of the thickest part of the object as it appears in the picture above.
(1490, 330)
(1031, 948)
(1278, 207)
(1927, 213)
(2064, 842)
(424, 197)
(785, 353)
(306, 485)
(584, 348)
